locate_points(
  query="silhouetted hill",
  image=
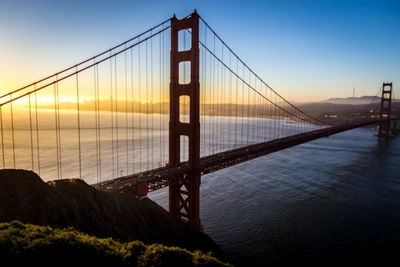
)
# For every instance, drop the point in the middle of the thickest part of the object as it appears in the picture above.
(25, 197)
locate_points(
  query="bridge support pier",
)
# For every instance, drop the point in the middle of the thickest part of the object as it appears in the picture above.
(184, 200)
(184, 196)
(142, 190)
(386, 100)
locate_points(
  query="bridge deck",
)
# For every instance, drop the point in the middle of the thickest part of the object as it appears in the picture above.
(164, 176)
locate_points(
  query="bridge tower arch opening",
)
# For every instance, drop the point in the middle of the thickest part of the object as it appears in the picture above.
(184, 193)
(386, 101)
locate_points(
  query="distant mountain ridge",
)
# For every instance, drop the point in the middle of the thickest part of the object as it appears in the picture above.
(363, 100)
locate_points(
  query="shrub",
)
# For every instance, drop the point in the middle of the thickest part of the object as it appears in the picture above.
(29, 244)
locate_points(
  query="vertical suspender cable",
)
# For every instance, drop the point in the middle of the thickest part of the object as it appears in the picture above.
(203, 91)
(256, 113)
(56, 126)
(218, 138)
(30, 131)
(287, 118)
(236, 103)
(96, 97)
(261, 107)
(126, 115)
(132, 115)
(98, 118)
(243, 115)
(162, 89)
(208, 103)
(220, 104)
(255, 110)
(281, 112)
(140, 112)
(59, 129)
(211, 104)
(12, 128)
(279, 120)
(229, 106)
(275, 119)
(116, 113)
(263, 113)
(302, 125)
(282, 117)
(2, 137)
(298, 123)
(203, 98)
(270, 115)
(161, 99)
(152, 104)
(260, 113)
(256, 107)
(112, 118)
(147, 110)
(222, 117)
(266, 115)
(248, 112)
(79, 126)
(215, 103)
(37, 131)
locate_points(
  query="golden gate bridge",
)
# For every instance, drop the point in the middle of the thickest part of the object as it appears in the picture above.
(160, 109)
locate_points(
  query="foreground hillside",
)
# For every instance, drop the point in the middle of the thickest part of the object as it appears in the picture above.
(25, 197)
(27, 244)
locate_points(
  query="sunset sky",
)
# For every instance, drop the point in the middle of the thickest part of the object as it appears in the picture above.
(306, 50)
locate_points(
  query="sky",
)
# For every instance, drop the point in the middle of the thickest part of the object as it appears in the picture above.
(306, 50)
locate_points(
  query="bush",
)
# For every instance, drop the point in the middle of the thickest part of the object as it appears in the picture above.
(29, 244)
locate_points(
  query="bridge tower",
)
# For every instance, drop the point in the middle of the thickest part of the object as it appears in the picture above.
(184, 196)
(386, 101)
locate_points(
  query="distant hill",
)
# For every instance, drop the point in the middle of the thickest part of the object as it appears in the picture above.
(363, 100)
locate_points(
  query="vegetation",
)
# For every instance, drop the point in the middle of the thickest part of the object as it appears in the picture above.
(29, 244)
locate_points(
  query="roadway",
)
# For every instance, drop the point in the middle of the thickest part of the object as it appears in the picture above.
(164, 176)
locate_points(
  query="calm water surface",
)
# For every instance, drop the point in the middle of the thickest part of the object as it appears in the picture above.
(328, 201)
(331, 198)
